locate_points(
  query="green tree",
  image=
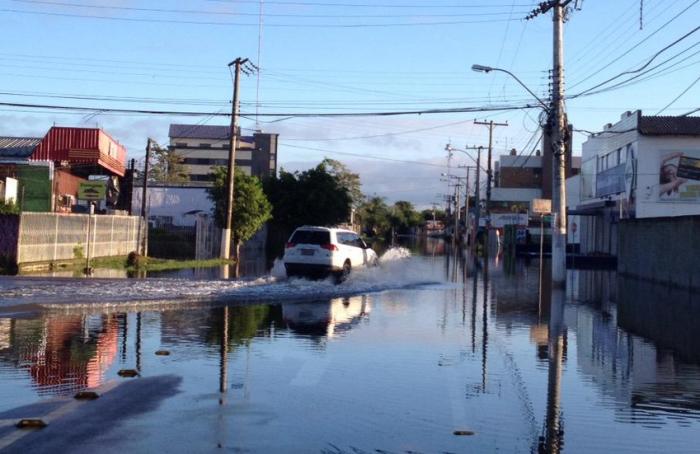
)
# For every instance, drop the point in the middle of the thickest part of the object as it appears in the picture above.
(404, 217)
(429, 213)
(168, 167)
(314, 197)
(374, 216)
(251, 207)
(347, 179)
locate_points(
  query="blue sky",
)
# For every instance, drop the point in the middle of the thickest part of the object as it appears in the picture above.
(340, 56)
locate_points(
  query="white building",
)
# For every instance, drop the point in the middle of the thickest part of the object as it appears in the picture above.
(206, 146)
(640, 167)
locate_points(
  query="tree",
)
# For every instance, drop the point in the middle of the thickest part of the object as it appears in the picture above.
(251, 207)
(168, 167)
(374, 216)
(314, 197)
(429, 213)
(404, 217)
(347, 179)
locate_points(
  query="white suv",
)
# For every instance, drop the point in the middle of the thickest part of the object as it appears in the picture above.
(321, 251)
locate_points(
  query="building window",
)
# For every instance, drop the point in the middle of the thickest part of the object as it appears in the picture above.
(205, 145)
(181, 144)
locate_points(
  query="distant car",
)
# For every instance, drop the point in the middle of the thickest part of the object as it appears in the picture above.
(318, 252)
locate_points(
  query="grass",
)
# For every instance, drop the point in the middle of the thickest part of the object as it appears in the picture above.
(147, 264)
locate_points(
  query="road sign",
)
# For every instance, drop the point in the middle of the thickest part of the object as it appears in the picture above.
(541, 206)
(92, 190)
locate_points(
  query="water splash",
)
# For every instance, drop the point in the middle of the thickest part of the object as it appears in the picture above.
(397, 269)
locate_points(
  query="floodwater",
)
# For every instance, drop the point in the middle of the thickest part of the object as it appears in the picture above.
(427, 353)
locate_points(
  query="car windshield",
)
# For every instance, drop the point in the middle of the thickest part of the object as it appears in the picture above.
(311, 237)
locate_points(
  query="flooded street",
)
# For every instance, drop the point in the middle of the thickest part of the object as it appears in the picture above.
(427, 353)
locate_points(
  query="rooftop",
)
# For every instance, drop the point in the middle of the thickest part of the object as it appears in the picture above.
(207, 132)
(669, 126)
(18, 147)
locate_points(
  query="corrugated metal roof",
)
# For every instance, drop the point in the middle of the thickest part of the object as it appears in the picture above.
(18, 147)
(208, 132)
(669, 126)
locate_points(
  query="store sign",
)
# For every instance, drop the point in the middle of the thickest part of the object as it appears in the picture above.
(541, 206)
(504, 219)
(679, 177)
(611, 181)
(92, 190)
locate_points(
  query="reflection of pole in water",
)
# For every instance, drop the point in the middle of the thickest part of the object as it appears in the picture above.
(484, 329)
(138, 341)
(553, 439)
(223, 369)
(125, 333)
(475, 277)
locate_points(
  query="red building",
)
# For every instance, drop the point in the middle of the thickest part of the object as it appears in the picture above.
(72, 156)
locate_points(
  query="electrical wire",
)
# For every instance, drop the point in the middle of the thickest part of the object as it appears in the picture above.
(679, 96)
(251, 24)
(230, 13)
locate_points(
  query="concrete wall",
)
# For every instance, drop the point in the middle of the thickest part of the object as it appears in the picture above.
(47, 237)
(663, 250)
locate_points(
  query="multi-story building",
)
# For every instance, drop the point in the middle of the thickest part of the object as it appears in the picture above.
(519, 179)
(642, 167)
(203, 147)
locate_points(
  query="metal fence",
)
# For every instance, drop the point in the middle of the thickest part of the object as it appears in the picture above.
(46, 237)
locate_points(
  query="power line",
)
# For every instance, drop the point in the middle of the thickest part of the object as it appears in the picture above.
(679, 96)
(365, 156)
(267, 114)
(251, 24)
(231, 13)
(649, 61)
(430, 5)
(636, 45)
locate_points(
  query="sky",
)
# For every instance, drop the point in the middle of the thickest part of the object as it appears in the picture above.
(344, 57)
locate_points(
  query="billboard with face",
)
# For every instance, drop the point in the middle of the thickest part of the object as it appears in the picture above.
(679, 176)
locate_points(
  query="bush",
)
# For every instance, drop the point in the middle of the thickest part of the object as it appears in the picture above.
(8, 208)
(135, 260)
(78, 251)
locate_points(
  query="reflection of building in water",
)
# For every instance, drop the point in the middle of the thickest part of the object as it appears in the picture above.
(326, 318)
(5, 333)
(64, 354)
(648, 381)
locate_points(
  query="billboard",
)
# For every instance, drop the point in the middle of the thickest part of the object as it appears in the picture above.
(679, 176)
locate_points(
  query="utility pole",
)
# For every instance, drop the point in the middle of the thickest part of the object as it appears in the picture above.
(144, 199)
(225, 252)
(489, 177)
(477, 196)
(558, 131)
(456, 200)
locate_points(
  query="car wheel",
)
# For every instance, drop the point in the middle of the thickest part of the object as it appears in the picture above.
(342, 276)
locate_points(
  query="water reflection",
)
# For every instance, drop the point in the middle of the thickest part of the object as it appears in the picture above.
(61, 355)
(485, 350)
(325, 320)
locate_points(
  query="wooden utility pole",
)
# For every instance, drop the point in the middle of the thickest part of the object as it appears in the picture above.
(225, 252)
(144, 199)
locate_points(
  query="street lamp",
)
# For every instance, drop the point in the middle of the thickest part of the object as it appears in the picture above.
(555, 121)
(488, 69)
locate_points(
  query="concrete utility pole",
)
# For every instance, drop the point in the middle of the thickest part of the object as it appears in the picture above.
(144, 199)
(558, 131)
(477, 196)
(225, 252)
(489, 176)
(558, 134)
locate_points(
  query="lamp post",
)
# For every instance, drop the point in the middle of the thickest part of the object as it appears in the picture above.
(555, 122)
